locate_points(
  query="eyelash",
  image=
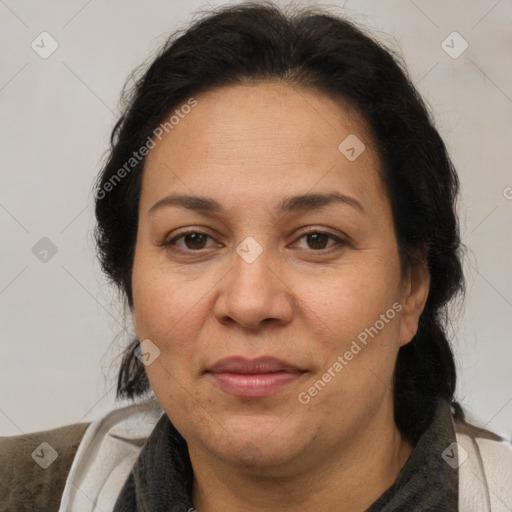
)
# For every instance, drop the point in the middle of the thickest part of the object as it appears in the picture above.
(339, 242)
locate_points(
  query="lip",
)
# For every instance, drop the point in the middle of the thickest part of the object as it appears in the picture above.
(253, 378)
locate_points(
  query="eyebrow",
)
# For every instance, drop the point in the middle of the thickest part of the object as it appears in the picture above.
(292, 204)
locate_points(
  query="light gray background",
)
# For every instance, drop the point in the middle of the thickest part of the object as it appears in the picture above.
(61, 332)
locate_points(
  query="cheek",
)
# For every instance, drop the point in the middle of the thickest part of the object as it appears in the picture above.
(356, 361)
(166, 308)
(353, 299)
(355, 317)
(168, 313)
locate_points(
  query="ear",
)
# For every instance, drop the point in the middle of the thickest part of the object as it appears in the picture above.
(415, 288)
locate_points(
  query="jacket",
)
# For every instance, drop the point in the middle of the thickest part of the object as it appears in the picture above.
(94, 460)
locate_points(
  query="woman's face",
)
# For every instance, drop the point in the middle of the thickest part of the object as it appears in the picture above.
(265, 342)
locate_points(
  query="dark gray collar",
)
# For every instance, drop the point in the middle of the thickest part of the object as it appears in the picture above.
(427, 482)
(161, 478)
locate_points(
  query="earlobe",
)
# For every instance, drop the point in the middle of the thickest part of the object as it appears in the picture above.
(414, 297)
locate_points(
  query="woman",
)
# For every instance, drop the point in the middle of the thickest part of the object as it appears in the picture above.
(278, 210)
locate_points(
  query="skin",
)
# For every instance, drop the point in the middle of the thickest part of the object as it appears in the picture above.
(248, 147)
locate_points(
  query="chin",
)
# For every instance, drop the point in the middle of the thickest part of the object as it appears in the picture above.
(258, 441)
(257, 453)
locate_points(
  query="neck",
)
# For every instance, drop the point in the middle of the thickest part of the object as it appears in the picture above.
(347, 479)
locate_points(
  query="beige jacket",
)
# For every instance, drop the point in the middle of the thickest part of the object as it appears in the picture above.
(24, 484)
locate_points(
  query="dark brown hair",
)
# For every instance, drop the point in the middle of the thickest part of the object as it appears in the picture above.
(317, 50)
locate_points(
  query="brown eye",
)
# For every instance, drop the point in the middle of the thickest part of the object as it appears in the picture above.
(317, 240)
(195, 240)
(189, 241)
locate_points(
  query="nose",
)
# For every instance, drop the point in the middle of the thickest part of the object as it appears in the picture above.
(253, 293)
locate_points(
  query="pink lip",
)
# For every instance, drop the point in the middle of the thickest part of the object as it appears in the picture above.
(253, 378)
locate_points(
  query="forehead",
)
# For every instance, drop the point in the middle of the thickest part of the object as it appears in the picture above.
(262, 140)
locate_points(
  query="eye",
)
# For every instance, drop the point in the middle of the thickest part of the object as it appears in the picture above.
(318, 240)
(191, 240)
(195, 241)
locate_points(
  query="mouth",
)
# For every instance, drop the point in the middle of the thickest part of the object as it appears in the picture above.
(253, 378)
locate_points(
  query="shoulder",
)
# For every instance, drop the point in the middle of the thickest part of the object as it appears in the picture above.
(34, 467)
(69, 467)
(107, 453)
(485, 469)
